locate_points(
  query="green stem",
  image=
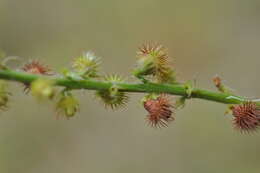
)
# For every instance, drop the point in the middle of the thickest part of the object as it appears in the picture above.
(173, 89)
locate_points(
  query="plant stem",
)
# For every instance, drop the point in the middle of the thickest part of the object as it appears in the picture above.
(173, 89)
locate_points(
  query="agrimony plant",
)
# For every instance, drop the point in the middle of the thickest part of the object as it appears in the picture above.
(156, 79)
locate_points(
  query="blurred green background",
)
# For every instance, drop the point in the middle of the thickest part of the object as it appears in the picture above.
(205, 37)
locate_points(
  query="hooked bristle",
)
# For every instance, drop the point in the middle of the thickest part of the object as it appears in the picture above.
(35, 67)
(160, 111)
(154, 59)
(246, 116)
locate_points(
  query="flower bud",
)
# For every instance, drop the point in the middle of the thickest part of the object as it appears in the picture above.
(67, 105)
(4, 95)
(220, 86)
(42, 89)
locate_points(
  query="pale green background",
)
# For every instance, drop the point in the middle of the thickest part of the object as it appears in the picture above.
(205, 37)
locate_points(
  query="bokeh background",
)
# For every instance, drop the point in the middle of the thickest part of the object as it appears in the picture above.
(204, 37)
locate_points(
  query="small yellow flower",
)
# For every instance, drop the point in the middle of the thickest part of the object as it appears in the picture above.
(67, 105)
(42, 89)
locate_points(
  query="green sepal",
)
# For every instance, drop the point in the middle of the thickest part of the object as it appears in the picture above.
(189, 88)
